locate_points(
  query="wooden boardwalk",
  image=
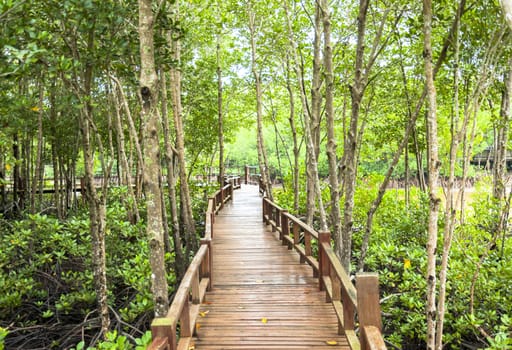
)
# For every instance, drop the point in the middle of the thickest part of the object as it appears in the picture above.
(262, 297)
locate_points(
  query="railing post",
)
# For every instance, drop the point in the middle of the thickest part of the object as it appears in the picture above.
(246, 174)
(276, 216)
(296, 239)
(323, 260)
(222, 196)
(368, 305)
(285, 227)
(195, 288)
(264, 209)
(207, 265)
(165, 328)
(185, 326)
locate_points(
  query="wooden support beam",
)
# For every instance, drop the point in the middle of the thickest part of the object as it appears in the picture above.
(368, 312)
(323, 260)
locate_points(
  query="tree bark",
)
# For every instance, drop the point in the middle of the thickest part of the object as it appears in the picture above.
(126, 171)
(449, 213)
(506, 6)
(433, 175)
(310, 149)
(188, 217)
(500, 152)
(219, 113)
(313, 113)
(262, 153)
(37, 179)
(82, 87)
(329, 112)
(152, 185)
(180, 263)
(357, 91)
(296, 148)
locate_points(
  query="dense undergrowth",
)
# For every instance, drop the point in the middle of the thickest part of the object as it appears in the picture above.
(478, 316)
(48, 299)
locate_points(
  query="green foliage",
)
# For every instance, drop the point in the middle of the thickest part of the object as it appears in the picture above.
(44, 263)
(115, 341)
(397, 252)
(3, 334)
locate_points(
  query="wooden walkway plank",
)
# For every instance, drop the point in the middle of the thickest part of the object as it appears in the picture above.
(263, 297)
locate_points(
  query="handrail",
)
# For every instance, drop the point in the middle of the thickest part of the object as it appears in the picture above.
(184, 309)
(348, 300)
(235, 181)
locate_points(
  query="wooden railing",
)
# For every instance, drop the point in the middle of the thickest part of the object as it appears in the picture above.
(184, 309)
(349, 301)
(235, 181)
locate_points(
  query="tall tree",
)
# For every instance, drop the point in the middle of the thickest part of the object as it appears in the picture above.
(262, 152)
(152, 170)
(180, 264)
(329, 112)
(433, 175)
(219, 106)
(312, 168)
(175, 85)
(356, 91)
(314, 111)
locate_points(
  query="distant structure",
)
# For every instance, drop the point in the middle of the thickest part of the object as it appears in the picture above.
(486, 159)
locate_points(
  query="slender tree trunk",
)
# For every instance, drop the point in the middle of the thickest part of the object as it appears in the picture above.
(312, 170)
(433, 175)
(313, 112)
(357, 91)
(152, 185)
(219, 113)
(97, 214)
(500, 152)
(449, 213)
(126, 171)
(262, 153)
(39, 151)
(296, 148)
(500, 162)
(506, 6)
(329, 112)
(17, 185)
(180, 263)
(57, 181)
(188, 217)
(134, 138)
(97, 205)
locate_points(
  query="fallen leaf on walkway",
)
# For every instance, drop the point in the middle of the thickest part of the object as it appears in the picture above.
(204, 313)
(192, 347)
(264, 320)
(198, 326)
(331, 342)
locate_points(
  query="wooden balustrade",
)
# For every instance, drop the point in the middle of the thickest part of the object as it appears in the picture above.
(349, 301)
(184, 309)
(235, 181)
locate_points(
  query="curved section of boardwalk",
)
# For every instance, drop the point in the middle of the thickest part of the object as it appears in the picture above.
(262, 297)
